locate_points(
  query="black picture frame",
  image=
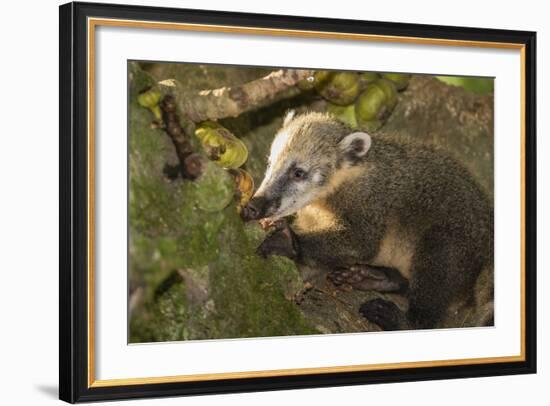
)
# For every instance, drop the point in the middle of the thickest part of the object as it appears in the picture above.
(73, 284)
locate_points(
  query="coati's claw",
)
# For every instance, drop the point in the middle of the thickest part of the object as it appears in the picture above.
(367, 277)
(384, 313)
(282, 242)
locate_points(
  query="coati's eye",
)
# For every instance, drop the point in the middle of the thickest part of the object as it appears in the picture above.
(298, 174)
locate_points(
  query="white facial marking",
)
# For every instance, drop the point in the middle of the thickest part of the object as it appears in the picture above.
(277, 148)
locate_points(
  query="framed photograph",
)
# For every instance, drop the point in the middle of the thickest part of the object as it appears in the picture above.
(257, 202)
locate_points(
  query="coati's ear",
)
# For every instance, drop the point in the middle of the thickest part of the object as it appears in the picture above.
(355, 145)
(288, 117)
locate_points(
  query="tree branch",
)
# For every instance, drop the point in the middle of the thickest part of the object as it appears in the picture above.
(224, 102)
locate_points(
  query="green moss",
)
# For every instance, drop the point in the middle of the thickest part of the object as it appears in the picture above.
(215, 189)
(163, 320)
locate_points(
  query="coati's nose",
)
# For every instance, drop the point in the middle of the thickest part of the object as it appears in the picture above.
(255, 209)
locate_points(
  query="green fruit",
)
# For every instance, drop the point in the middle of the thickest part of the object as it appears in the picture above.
(321, 77)
(150, 99)
(235, 155)
(369, 104)
(375, 104)
(316, 81)
(307, 83)
(245, 186)
(214, 188)
(221, 145)
(400, 80)
(340, 88)
(345, 114)
(391, 93)
(367, 78)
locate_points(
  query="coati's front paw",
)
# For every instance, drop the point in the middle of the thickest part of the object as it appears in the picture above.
(281, 242)
(384, 313)
(367, 277)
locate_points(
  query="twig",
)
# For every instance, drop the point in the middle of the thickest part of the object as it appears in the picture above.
(191, 163)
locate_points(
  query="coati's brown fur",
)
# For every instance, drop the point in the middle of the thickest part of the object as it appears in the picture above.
(368, 200)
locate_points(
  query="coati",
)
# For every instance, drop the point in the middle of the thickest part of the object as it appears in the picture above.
(396, 216)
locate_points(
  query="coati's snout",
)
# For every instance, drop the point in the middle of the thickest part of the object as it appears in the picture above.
(252, 210)
(257, 208)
